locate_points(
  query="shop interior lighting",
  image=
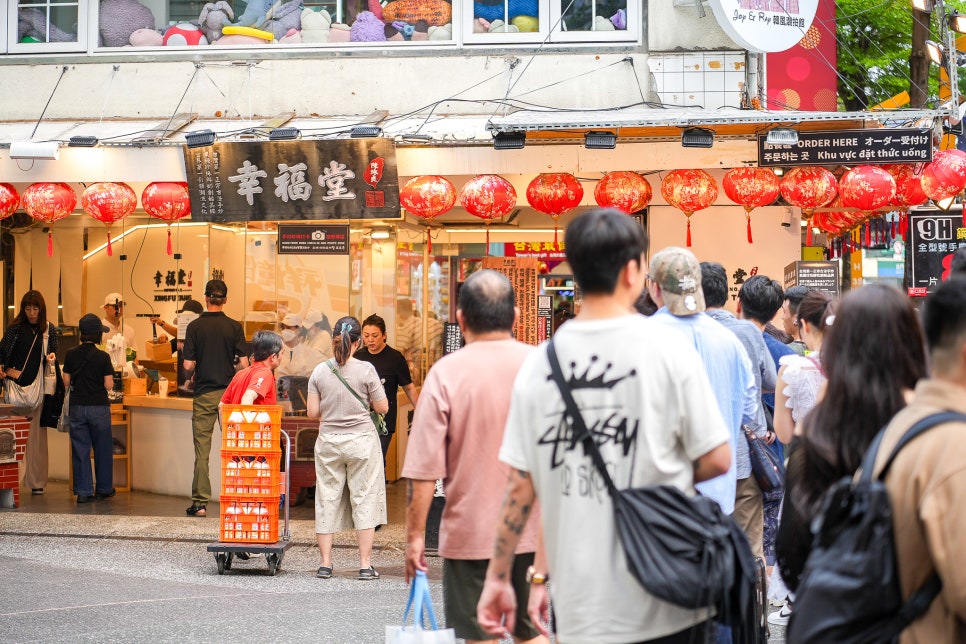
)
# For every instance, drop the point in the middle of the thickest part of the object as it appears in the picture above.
(923, 5)
(509, 140)
(957, 22)
(600, 140)
(82, 142)
(697, 137)
(200, 138)
(778, 171)
(47, 150)
(284, 134)
(127, 231)
(365, 132)
(380, 232)
(782, 136)
(935, 51)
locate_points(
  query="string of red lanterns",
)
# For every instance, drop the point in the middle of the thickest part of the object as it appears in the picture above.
(751, 188)
(9, 200)
(49, 202)
(488, 196)
(109, 202)
(554, 194)
(428, 197)
(167, 201)
(626, 191)
(689, 191)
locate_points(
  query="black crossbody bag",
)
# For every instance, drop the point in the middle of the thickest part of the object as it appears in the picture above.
(681, 549)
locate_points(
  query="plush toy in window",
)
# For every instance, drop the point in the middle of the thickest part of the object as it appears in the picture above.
(367, 28)
(118, 19)
(316, 25)
(282, 18)
(436, 13)
(32, 27)
(214, 17)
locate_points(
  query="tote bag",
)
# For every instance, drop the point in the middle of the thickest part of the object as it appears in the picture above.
(29, 397)
(421, 604)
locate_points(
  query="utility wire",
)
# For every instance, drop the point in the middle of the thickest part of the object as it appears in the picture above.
(63, 71)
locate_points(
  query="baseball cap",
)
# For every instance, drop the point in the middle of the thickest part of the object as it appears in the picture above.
(678, 273)
(292, 319)
(113, 298)
(90, 324)
(216, 288)
(312, 317)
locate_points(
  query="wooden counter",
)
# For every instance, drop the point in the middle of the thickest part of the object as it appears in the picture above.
(156, 402)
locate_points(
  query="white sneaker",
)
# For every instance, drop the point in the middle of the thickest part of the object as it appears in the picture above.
(780, 617)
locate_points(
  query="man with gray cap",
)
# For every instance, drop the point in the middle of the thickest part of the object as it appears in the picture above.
(212, 344)
(113, 320)
(675, 286)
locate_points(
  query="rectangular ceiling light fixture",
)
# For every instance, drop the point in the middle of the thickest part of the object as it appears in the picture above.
(509, 140)
(697, 137)
(365, 132)
(284, 134)
(47, 150)
(82, 141)
(199, 138)
(782, 136)
(600, 140)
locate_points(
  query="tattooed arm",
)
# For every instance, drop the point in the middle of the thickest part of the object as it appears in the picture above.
(419, 495)
(496, 611)
(539, 606)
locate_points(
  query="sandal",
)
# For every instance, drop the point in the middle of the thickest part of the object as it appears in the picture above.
(368, 574)
(324, 572)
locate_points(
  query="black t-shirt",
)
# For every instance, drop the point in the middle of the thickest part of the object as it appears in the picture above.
(87, 365)
(213, 341)
(393, 371)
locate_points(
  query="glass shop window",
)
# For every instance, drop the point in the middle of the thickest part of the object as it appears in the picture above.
(47, 25)
(531, 21)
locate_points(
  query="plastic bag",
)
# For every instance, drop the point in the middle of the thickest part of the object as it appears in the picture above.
(422, 606)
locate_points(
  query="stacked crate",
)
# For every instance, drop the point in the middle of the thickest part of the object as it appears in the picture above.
(251, 483)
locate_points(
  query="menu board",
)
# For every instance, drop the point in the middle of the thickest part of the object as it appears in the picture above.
(823, 276)
(544, 317)
(315, 239)
(452, 338)
(849, 147)
(522, 273)
(293, 180)
(934, 236)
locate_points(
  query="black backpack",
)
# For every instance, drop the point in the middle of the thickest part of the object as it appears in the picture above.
(849, 592)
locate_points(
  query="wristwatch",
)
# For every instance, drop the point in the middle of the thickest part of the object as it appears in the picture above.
(534, 577)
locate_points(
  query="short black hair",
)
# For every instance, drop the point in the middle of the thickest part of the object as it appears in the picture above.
(958, 263)
(487, 303)
(760, 298)
(600, 243)
(714, 284)
(944, 321)
(265, 344)
(376, 321)
(794, 297)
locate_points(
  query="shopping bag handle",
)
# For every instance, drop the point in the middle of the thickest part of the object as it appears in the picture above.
(419, 595)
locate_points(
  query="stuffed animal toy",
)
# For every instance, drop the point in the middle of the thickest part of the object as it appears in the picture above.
(441, 33)
(283, 17)
(215, 16)
(254, 13)
(376, 8)
(147, 38)
(500, 27)
(293, 37)
(32, 23)
(531, 24)
(367, 28)
(339, 32)
(434, 12)
(183, 35)
(118, 19)
(619, 19)
(315, 25)
(494, 9)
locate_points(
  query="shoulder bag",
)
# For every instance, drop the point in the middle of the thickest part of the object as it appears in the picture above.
(379, 420)
(29, 397)
(767, 469)
(61, 417)
(681, 549)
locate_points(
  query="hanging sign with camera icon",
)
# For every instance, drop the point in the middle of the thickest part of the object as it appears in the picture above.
(298, 239)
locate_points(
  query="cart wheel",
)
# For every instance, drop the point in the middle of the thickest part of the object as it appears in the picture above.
(228, 560)
(220, 560)
(274, 563)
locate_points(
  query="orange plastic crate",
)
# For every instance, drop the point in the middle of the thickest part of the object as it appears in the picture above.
(250, 474)
(245, 520)
(251, 427)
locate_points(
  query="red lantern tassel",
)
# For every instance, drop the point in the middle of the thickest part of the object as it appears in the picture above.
(429, 241)
(110, 251)
(555, 235)
(748, 219)
(488, 238)
(892, 228)
(689, 232)
(50, 243)
(868, 235)
(808, 235)
(169, 240)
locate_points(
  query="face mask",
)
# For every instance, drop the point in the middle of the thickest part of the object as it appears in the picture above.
(288, 335)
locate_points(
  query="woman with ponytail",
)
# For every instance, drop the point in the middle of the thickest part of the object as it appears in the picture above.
(347, 451)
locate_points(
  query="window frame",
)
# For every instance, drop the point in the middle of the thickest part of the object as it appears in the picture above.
(630, 35)
(81, 44)
(466, 20)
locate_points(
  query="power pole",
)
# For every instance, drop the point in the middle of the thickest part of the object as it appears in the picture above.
(919, 60)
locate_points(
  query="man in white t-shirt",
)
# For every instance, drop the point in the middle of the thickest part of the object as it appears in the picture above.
(644, 395)
(113, 320)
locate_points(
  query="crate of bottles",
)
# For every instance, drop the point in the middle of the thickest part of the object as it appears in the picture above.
(251, 427)
(246, 520)
(250, 474)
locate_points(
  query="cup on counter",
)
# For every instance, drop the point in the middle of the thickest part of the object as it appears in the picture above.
(163, 387)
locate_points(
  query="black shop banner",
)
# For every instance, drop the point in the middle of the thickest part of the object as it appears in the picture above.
(934, 236)
(849, 148)
(819, 275)
(298, 180)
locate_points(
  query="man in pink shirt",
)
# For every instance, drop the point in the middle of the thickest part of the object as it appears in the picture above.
(456, 435)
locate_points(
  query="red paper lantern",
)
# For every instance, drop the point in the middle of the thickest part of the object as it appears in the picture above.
(49, 203)
(808, 187)
(626, 191)
(488, 196)
(428, 197)
(945, 177)
(689, 191)
(867, 188)
(9, 200)
(751, 188)
(109, 202)
(167, 201)
(554, 194)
